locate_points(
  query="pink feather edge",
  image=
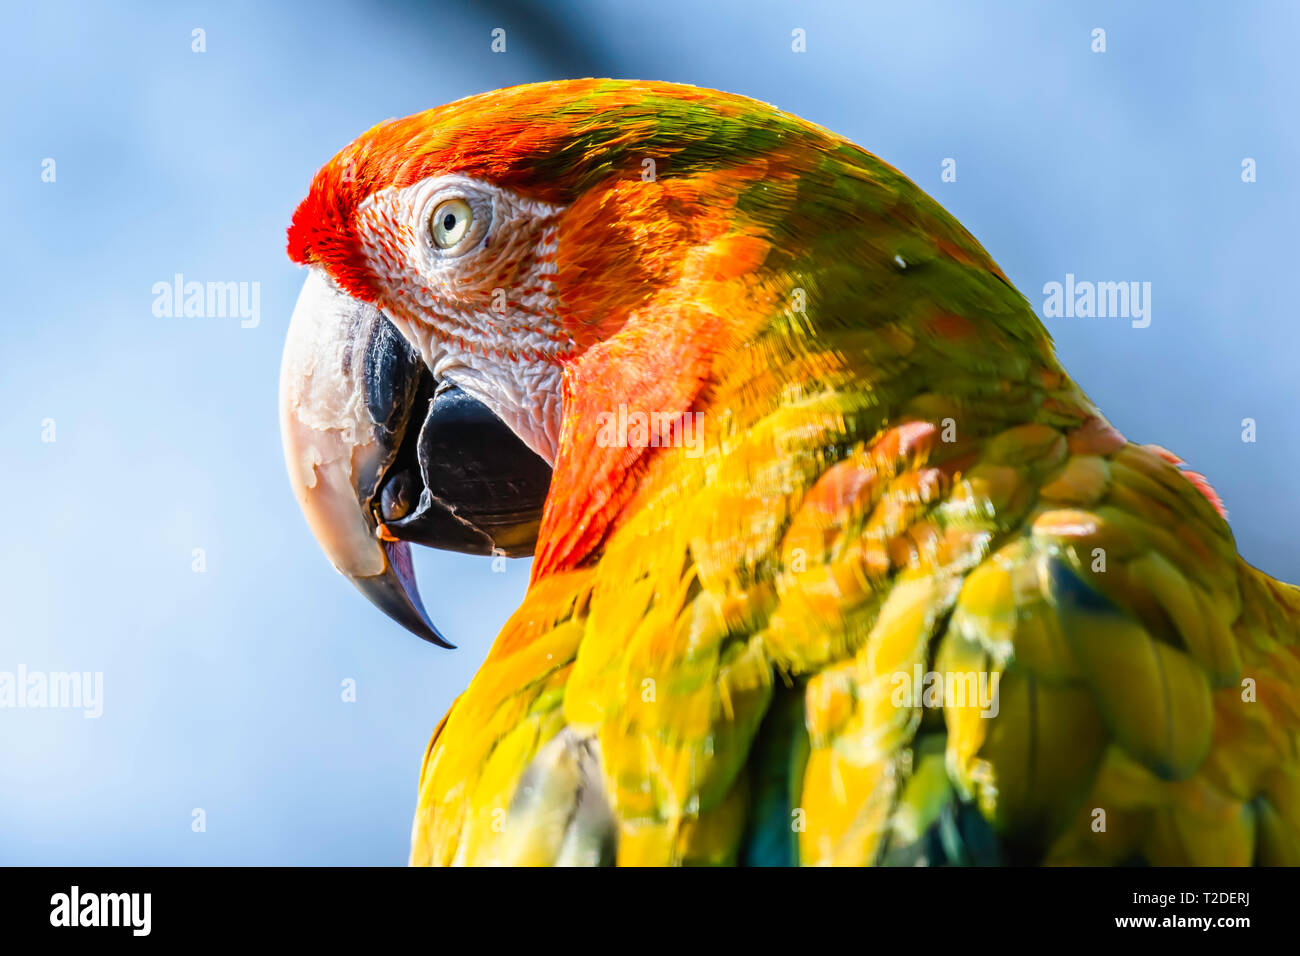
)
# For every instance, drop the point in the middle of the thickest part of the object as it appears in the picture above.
(1201, 483)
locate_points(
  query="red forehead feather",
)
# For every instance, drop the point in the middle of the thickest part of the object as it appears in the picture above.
(397, 153)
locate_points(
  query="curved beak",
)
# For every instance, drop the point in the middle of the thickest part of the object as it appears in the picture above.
(379, 454)
(338, 350)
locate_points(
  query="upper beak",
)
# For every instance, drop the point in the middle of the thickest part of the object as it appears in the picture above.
(378, 454)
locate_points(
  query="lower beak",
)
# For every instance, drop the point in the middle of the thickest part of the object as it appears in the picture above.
(379, 454)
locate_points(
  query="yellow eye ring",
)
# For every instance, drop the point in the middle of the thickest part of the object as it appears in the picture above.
(450, 223)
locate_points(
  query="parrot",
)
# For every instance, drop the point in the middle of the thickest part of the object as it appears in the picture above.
(833, 563)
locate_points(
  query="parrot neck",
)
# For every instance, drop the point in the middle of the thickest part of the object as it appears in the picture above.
(794, 396)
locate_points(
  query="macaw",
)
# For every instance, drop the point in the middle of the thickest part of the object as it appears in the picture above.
(833, 562)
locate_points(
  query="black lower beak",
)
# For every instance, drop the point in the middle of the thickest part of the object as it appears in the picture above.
(463, 481)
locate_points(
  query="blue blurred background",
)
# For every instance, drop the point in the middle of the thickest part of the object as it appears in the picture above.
(222, 689)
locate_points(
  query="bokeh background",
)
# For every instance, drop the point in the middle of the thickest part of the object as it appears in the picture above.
(222, 689)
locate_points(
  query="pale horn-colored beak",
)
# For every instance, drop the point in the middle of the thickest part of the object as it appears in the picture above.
(347, 387)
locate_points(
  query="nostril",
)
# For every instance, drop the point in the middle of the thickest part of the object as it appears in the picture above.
(398, 496)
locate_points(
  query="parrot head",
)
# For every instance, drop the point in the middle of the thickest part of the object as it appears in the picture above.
(486, 278)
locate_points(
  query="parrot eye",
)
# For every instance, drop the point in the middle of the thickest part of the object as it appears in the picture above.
(450, 223)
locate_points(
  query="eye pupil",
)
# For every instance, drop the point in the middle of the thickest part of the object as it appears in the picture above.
(451, 225)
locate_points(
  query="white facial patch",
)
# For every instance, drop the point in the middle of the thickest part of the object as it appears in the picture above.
(482, 311)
